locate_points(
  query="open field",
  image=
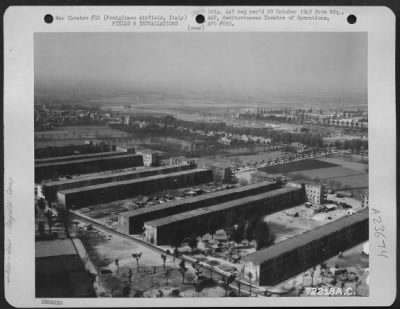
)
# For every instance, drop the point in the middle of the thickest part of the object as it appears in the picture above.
(354, 182)
(339, 160)
(297, 166)
(345, 176)
(326, 173)
(331, 170)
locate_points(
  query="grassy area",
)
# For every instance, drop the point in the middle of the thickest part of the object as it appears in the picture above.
(325, 173)
(337, 177)
(355, 165)
(297, 166)
(335, 171)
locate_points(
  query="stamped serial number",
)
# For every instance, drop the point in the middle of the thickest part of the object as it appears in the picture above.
(333, 291)
(51, 302)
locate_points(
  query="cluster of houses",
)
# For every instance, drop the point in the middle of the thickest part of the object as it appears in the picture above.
(348, 119)
(226, 138)
(229, 139)
(347, 123)
(47, 118)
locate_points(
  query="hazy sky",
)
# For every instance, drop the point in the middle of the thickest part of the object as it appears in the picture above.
(258, 63)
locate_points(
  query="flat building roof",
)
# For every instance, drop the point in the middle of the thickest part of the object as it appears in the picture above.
(75, 157)
(110, 175)
(280, 248)
(47, 248)
(122, 156)
(131, 181)
(219, 207)
(141, 211)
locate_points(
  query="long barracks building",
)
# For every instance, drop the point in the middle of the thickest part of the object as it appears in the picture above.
(169, 229)
(290, 257)
(132, 222)
(49, 189)
(103, 193)
(84, 166)
(78, 157)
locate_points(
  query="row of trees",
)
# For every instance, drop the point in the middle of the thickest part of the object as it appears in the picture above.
(311, 139)
(355, 145)
(237, 229)
(253, 229)
(278, 137)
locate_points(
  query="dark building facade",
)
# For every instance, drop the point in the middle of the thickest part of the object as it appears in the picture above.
(288, 258)
(171, 229)
(60, 272)
(132, 222)
(84, 166)
(103, 193)
(49, 189)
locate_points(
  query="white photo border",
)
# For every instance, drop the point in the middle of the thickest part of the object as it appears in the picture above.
(20, 24)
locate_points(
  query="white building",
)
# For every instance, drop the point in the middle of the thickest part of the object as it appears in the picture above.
(151, 158)
(315, 193)
(365, 200)
(224, 141)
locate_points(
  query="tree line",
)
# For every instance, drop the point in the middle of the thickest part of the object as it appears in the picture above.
(278, 137)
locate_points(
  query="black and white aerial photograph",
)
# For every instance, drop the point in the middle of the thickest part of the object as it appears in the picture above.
(208, 164)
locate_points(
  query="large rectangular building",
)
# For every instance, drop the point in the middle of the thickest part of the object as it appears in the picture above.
(132, 222)
(288, 258)
(103, 193)
(60, 272)
(84, 166)
(77, 157)
(169, 229)
(49, 189)
(88, 147)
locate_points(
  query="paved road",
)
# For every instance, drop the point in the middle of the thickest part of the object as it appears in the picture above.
(206, 269)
